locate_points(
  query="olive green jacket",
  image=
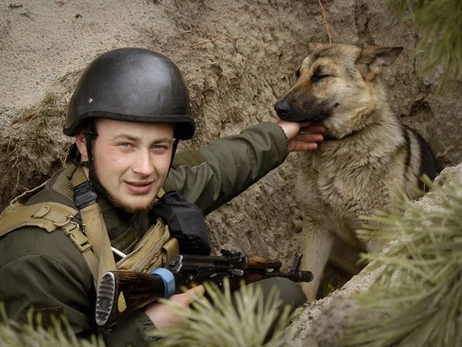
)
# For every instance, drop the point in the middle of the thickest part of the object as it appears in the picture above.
(47, 272)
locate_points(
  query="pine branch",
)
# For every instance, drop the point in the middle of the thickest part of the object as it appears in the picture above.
(440, 46)
(33, 334)
(417, 297)
(227, 322)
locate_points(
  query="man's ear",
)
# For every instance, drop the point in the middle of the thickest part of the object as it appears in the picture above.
(81, 142)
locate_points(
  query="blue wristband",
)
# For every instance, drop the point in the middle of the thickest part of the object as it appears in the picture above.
(169, 281)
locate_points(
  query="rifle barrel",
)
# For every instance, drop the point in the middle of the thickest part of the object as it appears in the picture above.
(297, 276)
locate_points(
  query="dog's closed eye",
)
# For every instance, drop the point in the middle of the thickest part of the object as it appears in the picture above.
(318, 75)
(317, 78)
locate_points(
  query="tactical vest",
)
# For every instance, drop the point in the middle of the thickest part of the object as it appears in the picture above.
(90, 237)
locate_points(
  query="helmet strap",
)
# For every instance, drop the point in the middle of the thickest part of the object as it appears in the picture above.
(174, 147)
(74, 155)
(95, 182)
(90, 136)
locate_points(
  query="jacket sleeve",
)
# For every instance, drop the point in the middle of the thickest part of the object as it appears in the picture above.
(214, 174)
(57, 284)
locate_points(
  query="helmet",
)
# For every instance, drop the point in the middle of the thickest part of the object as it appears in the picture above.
(131, 84)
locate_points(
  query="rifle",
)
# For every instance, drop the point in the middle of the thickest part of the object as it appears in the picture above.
(121, 292)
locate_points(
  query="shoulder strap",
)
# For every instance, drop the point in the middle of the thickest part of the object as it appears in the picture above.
(92, 217)
(49, 216)
(46, 215)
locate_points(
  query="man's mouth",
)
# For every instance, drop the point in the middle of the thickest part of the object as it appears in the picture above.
(139, 187)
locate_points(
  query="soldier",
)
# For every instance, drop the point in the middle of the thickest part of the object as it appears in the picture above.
(128, 112)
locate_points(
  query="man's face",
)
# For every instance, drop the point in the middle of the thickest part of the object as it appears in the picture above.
(131, 161)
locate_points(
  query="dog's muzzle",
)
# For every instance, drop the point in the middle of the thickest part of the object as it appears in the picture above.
(286, 111)
(313, 112)
(283, 109)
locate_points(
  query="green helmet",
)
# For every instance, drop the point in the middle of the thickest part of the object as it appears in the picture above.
(131, 84)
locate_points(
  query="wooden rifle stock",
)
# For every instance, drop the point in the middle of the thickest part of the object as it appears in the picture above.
(121, 292)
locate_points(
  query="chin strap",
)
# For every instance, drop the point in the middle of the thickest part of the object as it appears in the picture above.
(174, 148)
(90, 134)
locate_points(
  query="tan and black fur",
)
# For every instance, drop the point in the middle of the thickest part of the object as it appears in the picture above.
(368, 157)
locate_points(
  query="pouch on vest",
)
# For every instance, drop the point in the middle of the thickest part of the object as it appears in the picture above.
(185, 221)
(154, 250)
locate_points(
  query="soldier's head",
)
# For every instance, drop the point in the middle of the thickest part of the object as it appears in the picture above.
(128, 112)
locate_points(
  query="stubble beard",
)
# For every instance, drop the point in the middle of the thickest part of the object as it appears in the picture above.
(114, 200)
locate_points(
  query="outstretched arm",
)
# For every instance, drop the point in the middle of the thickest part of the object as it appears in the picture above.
(214, 174)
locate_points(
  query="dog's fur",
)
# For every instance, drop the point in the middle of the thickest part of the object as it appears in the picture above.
(368, 158)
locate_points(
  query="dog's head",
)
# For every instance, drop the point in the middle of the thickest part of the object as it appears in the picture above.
(338, 86)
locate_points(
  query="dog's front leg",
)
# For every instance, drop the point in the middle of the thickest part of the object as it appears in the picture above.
(316, 246)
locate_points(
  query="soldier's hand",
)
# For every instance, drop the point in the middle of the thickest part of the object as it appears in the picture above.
(161, 314)
(302, 136)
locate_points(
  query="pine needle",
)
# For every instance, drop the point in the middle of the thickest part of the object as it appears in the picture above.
(440, 45)
(228, 319)
(417, 298)
(33, 334)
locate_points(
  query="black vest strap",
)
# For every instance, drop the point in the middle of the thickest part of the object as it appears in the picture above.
(84, 195)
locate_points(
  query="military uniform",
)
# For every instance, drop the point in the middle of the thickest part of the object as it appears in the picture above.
(45, 270)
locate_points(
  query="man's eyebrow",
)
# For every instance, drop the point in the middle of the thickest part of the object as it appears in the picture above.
(135, 138)
(163, 139)
(125, 136)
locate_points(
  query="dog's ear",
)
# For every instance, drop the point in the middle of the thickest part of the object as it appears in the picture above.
(372, 58)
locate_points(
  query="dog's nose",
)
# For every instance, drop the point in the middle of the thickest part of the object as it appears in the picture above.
(282, 107)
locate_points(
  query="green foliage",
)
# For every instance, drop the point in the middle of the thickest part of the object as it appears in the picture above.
(33, 334)
(241, 318)
(416, 299)
(440, 26)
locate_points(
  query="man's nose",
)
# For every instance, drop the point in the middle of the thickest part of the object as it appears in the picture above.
(143, 163)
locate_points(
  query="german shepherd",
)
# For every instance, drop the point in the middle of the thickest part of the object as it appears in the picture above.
(367, 160)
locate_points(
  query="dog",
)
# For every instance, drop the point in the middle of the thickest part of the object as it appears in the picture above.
(366, 162)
